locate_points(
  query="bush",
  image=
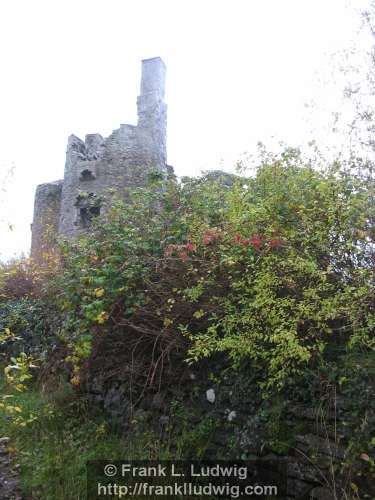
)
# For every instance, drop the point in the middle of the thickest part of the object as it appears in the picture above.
(28, 325)
(24, 277)
(272, 268)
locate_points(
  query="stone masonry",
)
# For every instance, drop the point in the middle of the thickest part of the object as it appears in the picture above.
(98, 168)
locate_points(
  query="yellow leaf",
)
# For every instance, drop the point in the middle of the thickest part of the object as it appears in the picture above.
(75, 380)
(354, 487)
(102, 317)
(99, 292)
(198, 314)
(361, 234)
(167, 321)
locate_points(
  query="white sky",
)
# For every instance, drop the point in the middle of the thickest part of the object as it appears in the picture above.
(238, 71)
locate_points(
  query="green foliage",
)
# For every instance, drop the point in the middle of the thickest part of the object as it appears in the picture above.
(272, 268)
(18, 376)
(19, 372)
(54, 447)
(28, 325)
(273, 272)
(190, 441)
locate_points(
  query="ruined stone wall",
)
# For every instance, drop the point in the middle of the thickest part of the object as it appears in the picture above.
(46, 218)
(119, 162)
(96, 166)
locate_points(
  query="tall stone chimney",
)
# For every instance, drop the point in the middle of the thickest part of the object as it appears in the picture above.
(152, 110)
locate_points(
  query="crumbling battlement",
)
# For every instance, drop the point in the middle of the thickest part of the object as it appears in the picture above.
(96, 165)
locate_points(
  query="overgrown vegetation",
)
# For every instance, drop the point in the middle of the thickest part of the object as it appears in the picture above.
(55, 445)
(273, 268)
(274, 272)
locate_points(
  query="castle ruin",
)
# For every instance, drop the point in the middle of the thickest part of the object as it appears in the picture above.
(120, 162)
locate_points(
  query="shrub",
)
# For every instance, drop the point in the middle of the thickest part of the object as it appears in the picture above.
(24, 277)
(271, 268)
(28, 325)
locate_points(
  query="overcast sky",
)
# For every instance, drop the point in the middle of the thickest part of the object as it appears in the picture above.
(238, 71)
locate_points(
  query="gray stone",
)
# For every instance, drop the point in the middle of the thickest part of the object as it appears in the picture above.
(320, 493)
(164, 420)
(306, 472)
(158, 401)
(99, 169)
(231, 416)
(46, 218)
(309, 443)
(210, 395)
(223, 178)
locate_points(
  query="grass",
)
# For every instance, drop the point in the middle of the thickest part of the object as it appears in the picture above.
(53, 449)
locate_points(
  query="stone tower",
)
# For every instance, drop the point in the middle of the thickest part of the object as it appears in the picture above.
(96, 166)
